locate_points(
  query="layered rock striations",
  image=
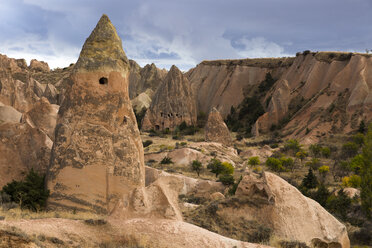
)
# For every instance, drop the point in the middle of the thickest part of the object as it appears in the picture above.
(172, 103)
(216, 129)
(97, 156)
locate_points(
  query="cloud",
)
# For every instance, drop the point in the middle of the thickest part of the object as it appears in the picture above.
(258, 47)
(185, 32)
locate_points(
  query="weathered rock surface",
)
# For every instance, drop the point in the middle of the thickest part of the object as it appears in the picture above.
(142, 79)
(51, 93)
(183, 184)
(291, 215)
(9, 114)
(43, 116)
(41, 66)
(96, 134)
(22, 147)
(143, 100)
(138, 232)
(216, 129)
(222, 83)
(172, 104)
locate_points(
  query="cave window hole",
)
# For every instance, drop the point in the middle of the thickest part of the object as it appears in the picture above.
(103, 80)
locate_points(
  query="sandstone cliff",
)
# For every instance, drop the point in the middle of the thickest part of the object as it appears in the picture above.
(172, 104)
(96, 135)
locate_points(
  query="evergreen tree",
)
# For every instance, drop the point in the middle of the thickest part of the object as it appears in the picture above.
(310, 181)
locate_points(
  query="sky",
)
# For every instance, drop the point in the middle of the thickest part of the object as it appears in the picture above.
(185, 32)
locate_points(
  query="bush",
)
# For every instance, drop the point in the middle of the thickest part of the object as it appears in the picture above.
(274, 164)
(166, 160)
(326, 152)
(315, 150)
(287, 163)
(196, 166)
(321, 195)
(226, 179)
(217, 167)
(339, 204)
(232, 190)
(292, 145)
(314, 164)
(29, 193)
(253, 161)
(350, 149)
(352, 181)
(147, 143)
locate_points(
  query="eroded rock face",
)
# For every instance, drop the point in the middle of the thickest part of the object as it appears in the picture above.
(216, 129)
(142, 79)
(97, 157)
(9, 114)
(43, 116)
(172, 104)
(291, 215)
(40, 66)
(22, 147)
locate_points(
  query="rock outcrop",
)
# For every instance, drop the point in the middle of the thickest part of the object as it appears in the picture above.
(22, 147)
(39, 66)
(9, 114)
(172, 104)
(43, 115)
(273, 202)
(216, 129)
(142, 79)
(96, 134)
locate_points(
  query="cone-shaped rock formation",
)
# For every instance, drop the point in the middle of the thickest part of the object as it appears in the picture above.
(97, 156)
(172, 104)
(216, 129)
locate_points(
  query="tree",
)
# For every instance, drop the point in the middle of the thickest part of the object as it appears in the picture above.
(274, 164)
(196, 166)
(301, 155)
(339, 204)
(310, 181)
(139, 116)
(321, 195)
(292, 145)
(217, 167)
(287, 163)
(315, 149)
(323, 171)
(362, 127)
(359, 139)
(314, 163)
(366, 174)
(166, 160)
(29, 193)
(253, 161)
(326, 152)
(349, 149)
(352, 181)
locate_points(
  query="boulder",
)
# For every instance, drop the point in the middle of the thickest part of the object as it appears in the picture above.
(97, 158)
(216, 129)
(172, 103)
(9, 114)
(291, 215)
(39, 66)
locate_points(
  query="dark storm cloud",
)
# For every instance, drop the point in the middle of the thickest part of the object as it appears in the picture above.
(185, 32)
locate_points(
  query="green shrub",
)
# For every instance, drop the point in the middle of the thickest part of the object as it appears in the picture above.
(326, 152)
(226, 179)
(232, 190)
(253, 161)
(349, 149)
(217, 167)
(321, 195)
(292, 145)
(166, 160)
(287, 163)
(339, 204)
(29, 193)
(274, 164)
(196, 166)
(315, 150)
